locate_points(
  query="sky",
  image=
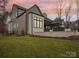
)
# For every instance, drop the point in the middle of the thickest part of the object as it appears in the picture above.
(47, 6)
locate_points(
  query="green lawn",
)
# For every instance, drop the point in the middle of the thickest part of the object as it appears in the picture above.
(26, 46)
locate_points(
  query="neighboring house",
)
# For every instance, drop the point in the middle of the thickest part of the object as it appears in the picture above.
(71, 26)
(26, 21)
(58, 25)
(77, 25)
(47, 24)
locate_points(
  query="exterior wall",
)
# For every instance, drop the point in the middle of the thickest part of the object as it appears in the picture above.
(38, 29)
(10, 27)
(24, 23)
(21, 24)
(14, 13)
(8, 24)
(18, 23)
(29, 22)
(13, 20)
(31, 29)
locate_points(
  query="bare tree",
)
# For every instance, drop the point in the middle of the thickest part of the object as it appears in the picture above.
(59, 7)
(4, 7)
(68, 12)
(3, 4)
(77, 3)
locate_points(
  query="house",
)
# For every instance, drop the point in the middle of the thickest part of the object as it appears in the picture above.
(77, 25)
(26, 21)
(47, 24)
(58, 24)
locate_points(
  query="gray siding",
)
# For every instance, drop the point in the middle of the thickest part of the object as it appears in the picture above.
(19, 24)
(21, 21)
(38, 29)
(24, 23)
(30, 28)
(29, 22)
(10, 27)
(14, 13)
(34, 9)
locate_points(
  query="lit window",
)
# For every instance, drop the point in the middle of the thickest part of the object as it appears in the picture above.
(40, 19)
(35, 18)
(41, 24)
(38, 24)
(34, 23)
(14, 26)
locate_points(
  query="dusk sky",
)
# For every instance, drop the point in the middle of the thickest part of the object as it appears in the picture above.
(47, 6)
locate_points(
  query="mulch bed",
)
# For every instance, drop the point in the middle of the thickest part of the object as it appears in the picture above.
(76, 37)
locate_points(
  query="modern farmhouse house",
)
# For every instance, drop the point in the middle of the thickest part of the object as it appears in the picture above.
(26, 21)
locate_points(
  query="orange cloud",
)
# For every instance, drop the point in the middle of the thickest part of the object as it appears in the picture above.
(45, 5)
(51, 12)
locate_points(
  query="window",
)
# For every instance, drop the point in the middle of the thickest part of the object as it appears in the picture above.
(14, 26)
(40, 19)
(34, 23)
(37, 22)
(41, 24)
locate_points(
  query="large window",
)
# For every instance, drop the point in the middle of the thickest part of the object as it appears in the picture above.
(34, 22)
(41, 23)
(37, 22)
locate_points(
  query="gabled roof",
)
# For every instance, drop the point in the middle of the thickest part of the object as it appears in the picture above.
(18, 8)
(47, 19)
(35, 9)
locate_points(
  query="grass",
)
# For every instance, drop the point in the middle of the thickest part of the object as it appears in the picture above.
(26, 46)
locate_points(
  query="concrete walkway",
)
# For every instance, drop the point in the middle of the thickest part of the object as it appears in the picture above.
(57, 34)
